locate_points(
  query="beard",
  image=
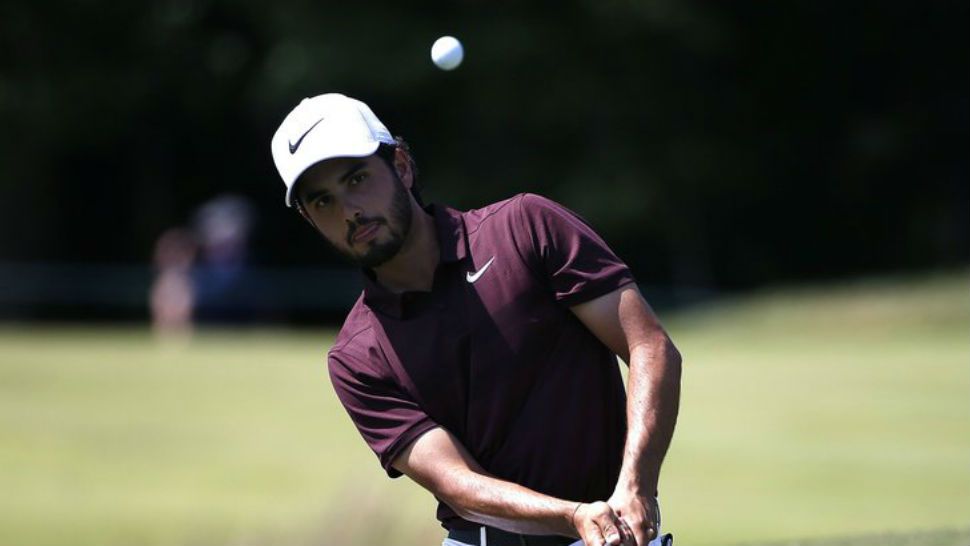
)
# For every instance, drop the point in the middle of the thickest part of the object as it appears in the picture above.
(398, 225)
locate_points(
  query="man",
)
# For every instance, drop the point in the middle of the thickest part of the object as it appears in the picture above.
(480, 359)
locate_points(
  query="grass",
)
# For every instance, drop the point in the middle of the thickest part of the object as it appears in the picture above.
(837, 411)
(937, 537)
(821, 412)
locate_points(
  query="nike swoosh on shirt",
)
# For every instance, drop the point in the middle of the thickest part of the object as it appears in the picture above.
(295, 145)
(473, 276)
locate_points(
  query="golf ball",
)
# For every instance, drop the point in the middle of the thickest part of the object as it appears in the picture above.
(447, 53)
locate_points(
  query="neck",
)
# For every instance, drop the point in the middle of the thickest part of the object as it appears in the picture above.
(412, 269)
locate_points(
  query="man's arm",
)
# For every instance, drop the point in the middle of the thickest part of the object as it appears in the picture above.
(623, 321)
(439, 463)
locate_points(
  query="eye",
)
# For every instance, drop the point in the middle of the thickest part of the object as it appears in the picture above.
(322, 201)
(356, 179)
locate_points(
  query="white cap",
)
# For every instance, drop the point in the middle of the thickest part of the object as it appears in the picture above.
(325, 127)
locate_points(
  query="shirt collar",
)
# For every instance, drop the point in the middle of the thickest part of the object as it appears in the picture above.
(452, 245)
(452, 241)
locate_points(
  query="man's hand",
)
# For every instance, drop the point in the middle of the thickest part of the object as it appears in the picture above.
(599, 525)
(640, 512)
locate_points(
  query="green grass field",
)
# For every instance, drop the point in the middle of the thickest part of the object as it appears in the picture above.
(807, 415)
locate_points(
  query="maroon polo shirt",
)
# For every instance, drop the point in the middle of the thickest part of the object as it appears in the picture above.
(493, 354)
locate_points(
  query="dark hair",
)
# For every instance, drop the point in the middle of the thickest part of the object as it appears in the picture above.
(386, 152)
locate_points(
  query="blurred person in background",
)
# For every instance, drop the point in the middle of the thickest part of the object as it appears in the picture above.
(200, 272)
(222, 227)
(171, 297)
(480, 359)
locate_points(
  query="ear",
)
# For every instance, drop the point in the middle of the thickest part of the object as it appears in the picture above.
(298, 204)
(402, 165)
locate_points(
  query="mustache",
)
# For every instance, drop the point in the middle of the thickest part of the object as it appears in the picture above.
(362, 222)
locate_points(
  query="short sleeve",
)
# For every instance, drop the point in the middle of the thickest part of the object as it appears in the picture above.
(385, 416)
(572, 258)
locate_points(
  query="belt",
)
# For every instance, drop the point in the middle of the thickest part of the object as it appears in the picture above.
(490, 536)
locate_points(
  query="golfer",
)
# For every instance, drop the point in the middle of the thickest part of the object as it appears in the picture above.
(480, 359)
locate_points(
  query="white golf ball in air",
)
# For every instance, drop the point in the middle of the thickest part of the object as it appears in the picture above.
(447, 53)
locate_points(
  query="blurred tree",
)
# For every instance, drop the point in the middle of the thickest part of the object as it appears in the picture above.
(723, 145)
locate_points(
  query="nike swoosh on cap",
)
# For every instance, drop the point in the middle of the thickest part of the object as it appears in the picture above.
(294, 146)
(473, 276)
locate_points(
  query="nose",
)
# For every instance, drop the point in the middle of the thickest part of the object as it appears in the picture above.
(352, 210)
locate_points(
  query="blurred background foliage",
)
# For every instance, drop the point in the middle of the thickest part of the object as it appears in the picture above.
(716, 145)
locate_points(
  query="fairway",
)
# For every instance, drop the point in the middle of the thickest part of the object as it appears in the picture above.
(834, 411)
